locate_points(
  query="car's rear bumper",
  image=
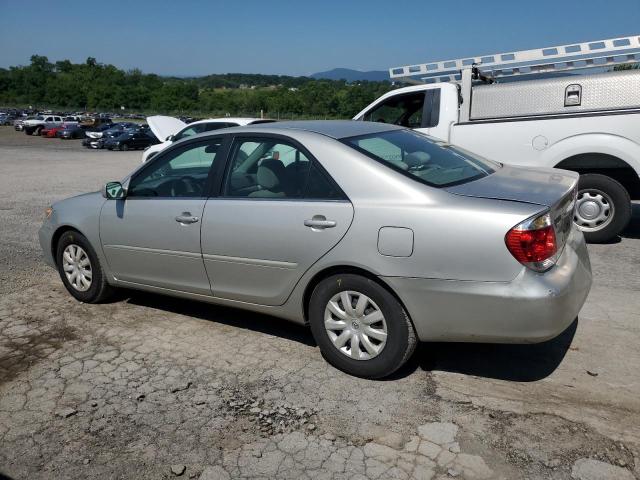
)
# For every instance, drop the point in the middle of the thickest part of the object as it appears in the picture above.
(533, 307)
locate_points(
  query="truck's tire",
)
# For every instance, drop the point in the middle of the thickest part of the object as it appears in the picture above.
(29, 130)
(603, 208)
(39, 130)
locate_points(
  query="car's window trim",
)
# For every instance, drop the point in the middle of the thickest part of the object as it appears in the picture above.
(243, 137)
(214, 171)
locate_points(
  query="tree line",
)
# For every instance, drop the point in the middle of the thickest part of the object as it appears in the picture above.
(93, 86)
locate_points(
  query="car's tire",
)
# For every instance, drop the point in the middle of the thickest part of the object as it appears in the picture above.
(124, 147)
(603, 207)
(384, 354)
(72, 253)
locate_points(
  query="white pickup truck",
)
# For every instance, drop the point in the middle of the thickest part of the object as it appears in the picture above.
(34, 125)
(586, 123)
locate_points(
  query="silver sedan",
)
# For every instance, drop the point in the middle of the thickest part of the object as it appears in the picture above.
(373, 235)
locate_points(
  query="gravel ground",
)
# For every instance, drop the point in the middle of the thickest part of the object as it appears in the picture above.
(154, 387)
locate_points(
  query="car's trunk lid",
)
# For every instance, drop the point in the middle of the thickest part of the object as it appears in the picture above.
(552, 188)
(163, 126)
(542, 186)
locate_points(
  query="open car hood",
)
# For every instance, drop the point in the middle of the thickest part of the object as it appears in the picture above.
(162, 126)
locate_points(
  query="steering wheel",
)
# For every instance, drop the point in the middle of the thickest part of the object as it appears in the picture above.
(185, 185)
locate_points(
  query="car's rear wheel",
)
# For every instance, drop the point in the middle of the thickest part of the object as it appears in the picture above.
(360, 327)
(80, 269)
(124, 147)
(603, 207)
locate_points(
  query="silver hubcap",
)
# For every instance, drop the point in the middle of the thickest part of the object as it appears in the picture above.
(355, 325)
(77, 267)
(594, 210)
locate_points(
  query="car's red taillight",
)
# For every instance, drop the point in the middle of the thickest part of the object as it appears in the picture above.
(533, 243)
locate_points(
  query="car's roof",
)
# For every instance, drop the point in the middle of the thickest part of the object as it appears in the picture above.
(331, 128)
(239, 120)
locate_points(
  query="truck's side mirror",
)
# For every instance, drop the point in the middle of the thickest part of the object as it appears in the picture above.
(113, 191)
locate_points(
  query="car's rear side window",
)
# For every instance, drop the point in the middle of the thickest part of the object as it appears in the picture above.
(271, 168)
(415, 155)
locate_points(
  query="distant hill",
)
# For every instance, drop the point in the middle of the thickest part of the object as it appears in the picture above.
(351, 75)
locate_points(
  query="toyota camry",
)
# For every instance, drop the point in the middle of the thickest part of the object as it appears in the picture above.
(373, 235)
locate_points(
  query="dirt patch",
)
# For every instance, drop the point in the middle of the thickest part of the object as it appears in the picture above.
(19, 354)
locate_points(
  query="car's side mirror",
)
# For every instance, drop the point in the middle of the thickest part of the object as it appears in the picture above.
(113, 191)
(170, 138)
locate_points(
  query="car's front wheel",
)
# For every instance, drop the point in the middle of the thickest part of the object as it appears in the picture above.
(360, 327)
(80, 269)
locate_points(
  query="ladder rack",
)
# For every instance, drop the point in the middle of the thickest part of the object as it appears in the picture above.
(562, 58)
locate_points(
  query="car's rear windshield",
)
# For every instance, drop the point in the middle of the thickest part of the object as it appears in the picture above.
(417, 156)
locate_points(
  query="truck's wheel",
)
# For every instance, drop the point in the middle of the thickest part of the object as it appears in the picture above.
(603, 207)
(38, 130)
(29, 130)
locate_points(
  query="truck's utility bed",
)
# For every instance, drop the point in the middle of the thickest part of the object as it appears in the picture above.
(596, 92)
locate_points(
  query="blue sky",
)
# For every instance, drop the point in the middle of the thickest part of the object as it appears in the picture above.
(296, 37)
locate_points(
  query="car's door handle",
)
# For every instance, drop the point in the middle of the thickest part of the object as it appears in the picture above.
(186, 218)
(320, 222)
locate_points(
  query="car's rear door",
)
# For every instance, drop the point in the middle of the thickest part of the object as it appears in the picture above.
(277, 213)
(152, 237)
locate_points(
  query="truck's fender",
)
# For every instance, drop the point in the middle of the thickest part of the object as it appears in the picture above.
(605, 143)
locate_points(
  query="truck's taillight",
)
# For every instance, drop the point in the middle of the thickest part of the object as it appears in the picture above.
(533, 243)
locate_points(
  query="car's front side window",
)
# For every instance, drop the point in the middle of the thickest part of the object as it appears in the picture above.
(182, 172)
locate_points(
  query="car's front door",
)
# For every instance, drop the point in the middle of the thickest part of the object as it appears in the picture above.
(152, 236)
(277, 214)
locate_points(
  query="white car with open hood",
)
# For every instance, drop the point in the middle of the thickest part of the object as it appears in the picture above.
(171, 129)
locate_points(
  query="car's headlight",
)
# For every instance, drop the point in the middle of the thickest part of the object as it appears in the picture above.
(47, 212)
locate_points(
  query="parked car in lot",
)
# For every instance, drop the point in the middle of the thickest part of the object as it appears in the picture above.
(37, 123)
(99, 143)
(71, 131)
(96, 132)
(51, 131)
(109, 128)
(18, 124)
(131, 140)
(170, 129)
(374, 235)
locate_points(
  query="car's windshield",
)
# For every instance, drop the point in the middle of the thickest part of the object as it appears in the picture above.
(434, 163)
